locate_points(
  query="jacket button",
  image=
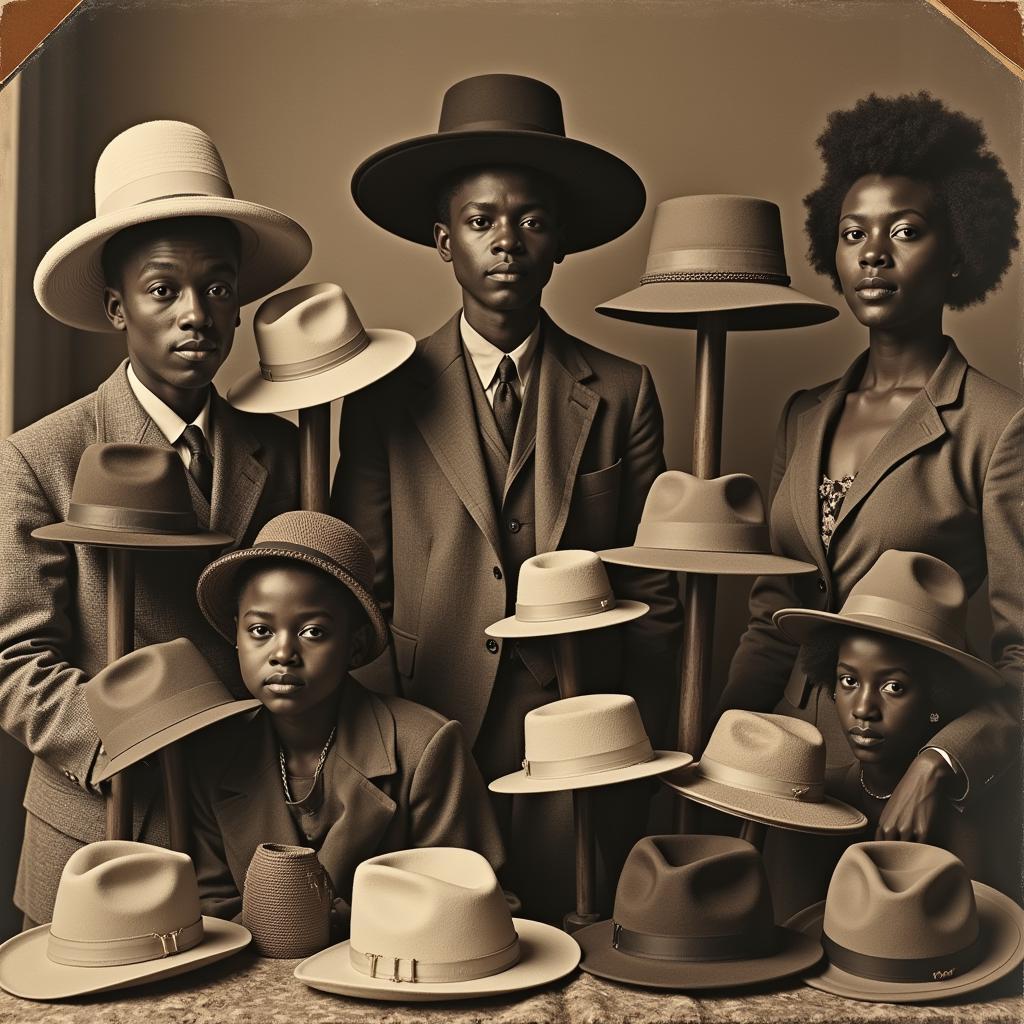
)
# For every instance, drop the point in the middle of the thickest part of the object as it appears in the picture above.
(497, 573)
(492, 646)
(822, 585)
(514, 526)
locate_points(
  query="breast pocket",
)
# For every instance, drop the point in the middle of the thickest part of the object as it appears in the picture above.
(595, 509)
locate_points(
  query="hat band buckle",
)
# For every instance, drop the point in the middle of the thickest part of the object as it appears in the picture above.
(904, 969)
(110, 517)
(727, 775)
(121, 952)
(431, 973)
(565, 609)
(301, 368)
(606, 760)
(693, 948)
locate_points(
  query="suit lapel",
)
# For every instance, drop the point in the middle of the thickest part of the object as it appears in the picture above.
(119, 417)
(526, 431)
(238, 476)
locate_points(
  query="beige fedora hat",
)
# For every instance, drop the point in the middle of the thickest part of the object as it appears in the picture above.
(597, 739)
(905, 594)
(564, 592)
(904, 923)
(313, 349)
(153, 697)
(719, 254)
(715, 526)
(767, 768)
(159, 170)
(694, 912)
(125, 914)
(432, 924)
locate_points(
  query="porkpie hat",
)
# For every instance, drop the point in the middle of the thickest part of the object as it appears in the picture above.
(162, 170)
(495, 120)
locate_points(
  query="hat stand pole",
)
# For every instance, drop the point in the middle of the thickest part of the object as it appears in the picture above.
(314, 457)
(120, 641)
(754, 833)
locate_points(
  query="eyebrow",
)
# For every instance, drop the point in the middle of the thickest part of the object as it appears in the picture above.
(308, 613)
(169, 268)
(884, 671)
(483, 204)
(898, 213)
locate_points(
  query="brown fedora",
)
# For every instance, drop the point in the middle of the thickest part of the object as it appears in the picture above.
(694, 912)
(489, 121)
(720, 254)
(904, 923)
(905, 594)
(705, 526)
(153, 697)
(131, 496)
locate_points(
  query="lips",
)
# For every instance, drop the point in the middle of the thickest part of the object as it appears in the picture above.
(283, 683)
(865, 738)
(506, 271)
(196, 350)
(871, 288)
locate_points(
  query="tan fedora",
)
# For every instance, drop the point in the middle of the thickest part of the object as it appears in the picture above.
(905, 594)
(767, 768)
(904, 923)
(131, 496)
(564, 592)
(311, 538)
(712, 526)
(694, 912)
(159, 170)
(720, 254)
(433, 924)
(125, 914)
(313, 349)
(153, 697)
(581, 742)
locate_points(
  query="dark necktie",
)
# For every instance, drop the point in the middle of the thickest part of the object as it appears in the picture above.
(506, 401)
(201, 465)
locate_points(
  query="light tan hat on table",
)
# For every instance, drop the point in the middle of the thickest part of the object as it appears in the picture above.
(125, 914)
(432, 924)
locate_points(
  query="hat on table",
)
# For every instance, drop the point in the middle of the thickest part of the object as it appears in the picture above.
(432, 924)
(716, 526)
(719, 254)
(125, 914)
(161, 170)
(770, 769)
(498, 120)
(313, 349)
(597, 739)
(904, 923)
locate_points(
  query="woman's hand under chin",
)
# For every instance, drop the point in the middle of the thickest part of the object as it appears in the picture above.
(911, 809)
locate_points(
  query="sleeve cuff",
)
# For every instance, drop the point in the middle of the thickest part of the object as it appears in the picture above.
(957, 770)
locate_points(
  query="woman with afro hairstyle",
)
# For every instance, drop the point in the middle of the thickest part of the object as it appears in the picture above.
(912, 448)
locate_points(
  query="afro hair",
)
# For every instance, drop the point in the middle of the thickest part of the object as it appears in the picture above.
(919, 137)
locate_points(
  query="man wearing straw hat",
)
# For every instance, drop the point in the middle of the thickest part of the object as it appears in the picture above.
(168, 260)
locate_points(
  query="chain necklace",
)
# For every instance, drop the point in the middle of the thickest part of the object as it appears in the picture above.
(316, 774)
(874, 796)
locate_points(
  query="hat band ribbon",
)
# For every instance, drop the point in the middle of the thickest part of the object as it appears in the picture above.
(890, 612)
(305, 367)
(398, 969)
(803, 792)
(109, 517)
(694, 948)
(741, 538)
(717, 264)
(885, 968)
(564, 609)
(501, 126)
(119, 952)
(606, 761)
(164, 185)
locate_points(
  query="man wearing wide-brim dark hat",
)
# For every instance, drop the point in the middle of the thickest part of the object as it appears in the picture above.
(504, 437)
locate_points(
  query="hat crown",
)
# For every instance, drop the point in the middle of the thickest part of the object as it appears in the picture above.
(132, 476)
(560, 577)
(678, 497)
(501, 102)
(585, 726)
(775, 747)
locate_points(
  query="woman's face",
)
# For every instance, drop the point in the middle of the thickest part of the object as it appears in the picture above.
(895, 254)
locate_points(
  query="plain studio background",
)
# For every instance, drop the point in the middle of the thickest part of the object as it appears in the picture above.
(698, 95)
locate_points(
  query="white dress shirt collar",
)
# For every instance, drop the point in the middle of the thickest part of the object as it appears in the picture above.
(169, 423)
(485, 356)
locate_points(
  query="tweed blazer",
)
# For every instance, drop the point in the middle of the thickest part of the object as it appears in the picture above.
(945, 480)
(402, 773)
(411, 478)
(53, 628)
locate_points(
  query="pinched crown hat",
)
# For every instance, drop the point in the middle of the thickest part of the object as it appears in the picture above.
(313, 349)
(497, 120)
(716, 526)
(125, 913)
(904, 923)
(694, 912)
(717, 254)
(767, 768)
(161, 170)
(432, 924)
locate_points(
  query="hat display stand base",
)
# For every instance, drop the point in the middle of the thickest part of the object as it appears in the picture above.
(314, 457)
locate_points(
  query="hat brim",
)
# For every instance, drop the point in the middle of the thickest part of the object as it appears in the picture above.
(624, 611)
(386, 352)
(999, 918)
(215, 591)
(520, 782)
(712, 563)
(747, 306)
(71, 533)
(796, 952)
(827, 817)
(27, 972)
(602, 196)
(801, 625)
(546, 954)
(69, 280)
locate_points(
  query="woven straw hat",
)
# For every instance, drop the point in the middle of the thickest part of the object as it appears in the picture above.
(160, 170)
(767, 768)
(432, 924)
(125, 914)
(904, 923)
(581, 742)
